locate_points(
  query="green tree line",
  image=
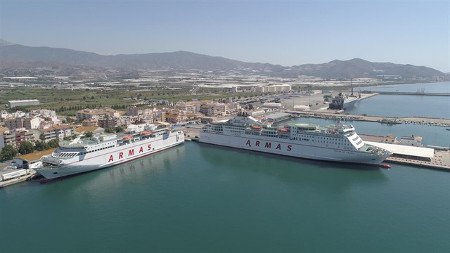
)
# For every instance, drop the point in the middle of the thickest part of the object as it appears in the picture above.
(9, 152)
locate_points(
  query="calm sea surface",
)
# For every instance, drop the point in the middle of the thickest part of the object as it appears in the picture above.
(202, 198)
(397, 106)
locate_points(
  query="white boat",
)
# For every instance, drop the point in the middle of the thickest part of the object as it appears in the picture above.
(98, 152)
(337, 143)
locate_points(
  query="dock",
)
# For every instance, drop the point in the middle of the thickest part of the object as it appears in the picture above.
(416, 156)
(379, 119)
(441, 161)
(410, 93)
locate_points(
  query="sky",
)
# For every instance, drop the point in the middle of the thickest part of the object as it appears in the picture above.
(278, 32)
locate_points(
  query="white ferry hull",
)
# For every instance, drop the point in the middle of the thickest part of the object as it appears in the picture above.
(108, 158)
(284, 147)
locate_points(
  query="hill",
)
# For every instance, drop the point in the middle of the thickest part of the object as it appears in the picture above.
(14, 56)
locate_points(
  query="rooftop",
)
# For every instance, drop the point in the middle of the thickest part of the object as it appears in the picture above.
(405, 150)
(26, 100)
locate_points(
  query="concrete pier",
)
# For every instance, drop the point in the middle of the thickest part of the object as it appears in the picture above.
(380, 119)
(410, 93)
(416, 156)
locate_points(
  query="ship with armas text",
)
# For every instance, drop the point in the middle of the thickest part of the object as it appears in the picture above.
(337, 143)
(101, 151)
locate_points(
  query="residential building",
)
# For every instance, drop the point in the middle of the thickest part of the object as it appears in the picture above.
(57, 132)
(27, 123)
(2, 138)
(107, 122)
(175, 117)
(159, 116)
(14, 138)
(96, 113)
(189, 107)
(216, 109)
(273, 88)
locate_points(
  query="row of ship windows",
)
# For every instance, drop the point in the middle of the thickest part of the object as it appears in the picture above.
(67, 154)
(327, 142)
(95, 150)
(322, 138)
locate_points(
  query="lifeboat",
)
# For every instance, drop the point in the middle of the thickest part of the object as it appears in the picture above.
(127, 137)
(385, 166)
(255, 127)
(146, 133)
(283, 130)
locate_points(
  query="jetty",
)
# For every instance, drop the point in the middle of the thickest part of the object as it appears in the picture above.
(380, 119)
(409, 93)
(425, 157)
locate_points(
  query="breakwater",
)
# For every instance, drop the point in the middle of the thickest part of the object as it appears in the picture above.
(385, 120)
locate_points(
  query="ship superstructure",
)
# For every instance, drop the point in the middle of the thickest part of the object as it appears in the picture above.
(101, 151)
(339, 143)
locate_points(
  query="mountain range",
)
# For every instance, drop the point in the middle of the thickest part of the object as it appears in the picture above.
(15, 55)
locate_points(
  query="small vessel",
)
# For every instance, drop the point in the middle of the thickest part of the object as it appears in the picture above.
(101, 151)
(385, 166)
(337, 143)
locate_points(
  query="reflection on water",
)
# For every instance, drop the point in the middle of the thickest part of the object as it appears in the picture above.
(326, 176)
(126, 173)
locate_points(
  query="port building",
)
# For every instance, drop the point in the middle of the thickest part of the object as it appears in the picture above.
(407, 152)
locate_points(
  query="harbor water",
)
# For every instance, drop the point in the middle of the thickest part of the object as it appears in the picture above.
(203, 198)
(406, 105)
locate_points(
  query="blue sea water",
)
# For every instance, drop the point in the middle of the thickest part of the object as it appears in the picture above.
(406, 105)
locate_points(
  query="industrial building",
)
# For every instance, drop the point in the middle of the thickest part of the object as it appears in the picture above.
(16, 103)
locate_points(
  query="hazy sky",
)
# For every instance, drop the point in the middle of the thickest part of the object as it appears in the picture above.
(280, 32)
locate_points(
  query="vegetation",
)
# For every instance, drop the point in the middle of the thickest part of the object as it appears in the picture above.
(88, 134)
(8, 152)
(53, 143)
(70, 101)
(114, 130)
(42, 145)
(26, 147)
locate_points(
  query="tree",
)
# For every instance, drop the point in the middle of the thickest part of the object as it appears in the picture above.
(26, 147)
(42, 137)
(119, 129)
(8, 152)
(88, 134)
(40, 145)
(109, 130)
(53, 143)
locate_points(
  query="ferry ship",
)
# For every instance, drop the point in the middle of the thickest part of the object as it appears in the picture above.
(336, 143)
(98, 152)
